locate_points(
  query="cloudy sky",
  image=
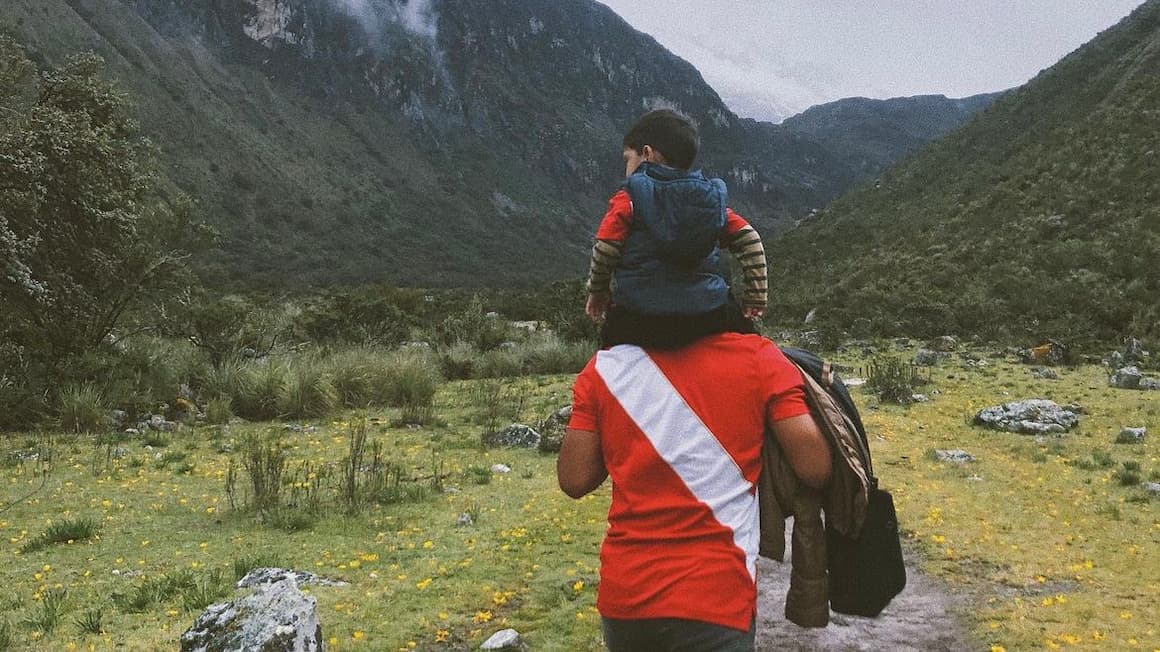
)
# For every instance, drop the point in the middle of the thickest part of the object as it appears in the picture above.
(772, 58)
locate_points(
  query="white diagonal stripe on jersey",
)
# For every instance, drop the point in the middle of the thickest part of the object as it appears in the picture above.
(683, 442)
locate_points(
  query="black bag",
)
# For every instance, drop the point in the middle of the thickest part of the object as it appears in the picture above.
(868, 571)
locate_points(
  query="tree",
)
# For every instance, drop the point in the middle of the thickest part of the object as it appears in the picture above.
(83, 232)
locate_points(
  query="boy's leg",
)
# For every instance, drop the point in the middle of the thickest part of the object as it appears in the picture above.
(674, 635)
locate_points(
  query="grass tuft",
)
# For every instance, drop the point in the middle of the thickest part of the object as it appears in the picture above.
(66, 531)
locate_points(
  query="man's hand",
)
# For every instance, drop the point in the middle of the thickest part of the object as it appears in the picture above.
(596, 306)
(754, 312)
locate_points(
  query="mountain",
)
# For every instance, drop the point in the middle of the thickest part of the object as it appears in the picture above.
(432, 142)
(870, 135)
(1039, 218)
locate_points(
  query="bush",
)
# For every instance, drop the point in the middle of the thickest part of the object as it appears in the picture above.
(547, 354)
(91, 621)
(891, 379)
(307, 390)
(411, 379)
(500, 363)
(243, 565)
(219, 411)
(459, 360)
(264, 461)
(262, 386)
(81, 409)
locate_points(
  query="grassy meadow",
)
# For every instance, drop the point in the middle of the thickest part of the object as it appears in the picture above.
(1047, 542)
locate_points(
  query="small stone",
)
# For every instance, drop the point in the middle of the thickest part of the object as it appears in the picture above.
(954, 456)
(517, 435)
(501, 468)
(1045, 373)
(504, 639)
(119, 452)
(1131, 435)
(1152, 488)
(132, 431)
(919, 398)
(464, 520)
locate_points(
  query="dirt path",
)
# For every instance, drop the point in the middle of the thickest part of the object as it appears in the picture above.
(923, 617)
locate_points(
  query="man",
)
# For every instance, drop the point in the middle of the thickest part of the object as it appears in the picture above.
(680, 433)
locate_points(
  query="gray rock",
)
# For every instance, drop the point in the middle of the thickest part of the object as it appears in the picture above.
(1131, 435)
(1134, 351)
(266, 576)
(517, 435)
(1032, 416)
(464, 520)
(276, 618)
(1045, 373)
(119, 417)
(954, 456)
(943, 344)
(504, 639)
(132, 431)
(1115, 360)
(919, 398)
(1152, 488)
(501, 468)
(926, 358)
(1130, 378)
(552, 430)
(157, 422)
(119, 452)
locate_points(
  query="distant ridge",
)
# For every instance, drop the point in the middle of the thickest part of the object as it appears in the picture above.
(1040, 217)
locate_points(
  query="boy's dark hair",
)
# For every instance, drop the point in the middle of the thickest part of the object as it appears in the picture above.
(668, 132)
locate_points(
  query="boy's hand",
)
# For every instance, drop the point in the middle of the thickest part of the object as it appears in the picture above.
(753, 312)
(596, 306)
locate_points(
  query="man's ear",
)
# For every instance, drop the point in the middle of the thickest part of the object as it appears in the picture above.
(648, 153)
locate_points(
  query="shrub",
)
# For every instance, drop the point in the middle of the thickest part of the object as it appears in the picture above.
(891, 379)
(262, 385)
(413, 379)
(353, 374)
(548, 354)
(459, 360)
(82, 409)
(47, 613)
(219, 411)
(227, 380)
(307, 391)
(155, 590)
(66, 531)
(92, 621)
(264, 461)
(6, 636)
(500, 363)
(205, 590)
(1128, 475)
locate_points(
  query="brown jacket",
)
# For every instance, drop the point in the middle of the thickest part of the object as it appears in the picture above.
(780, 494)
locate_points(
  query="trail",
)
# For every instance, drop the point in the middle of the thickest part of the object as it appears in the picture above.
(922, 618)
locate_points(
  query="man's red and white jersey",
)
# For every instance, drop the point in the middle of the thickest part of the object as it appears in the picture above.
(681, 434)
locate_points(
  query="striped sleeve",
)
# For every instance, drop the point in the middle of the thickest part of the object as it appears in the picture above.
(605, 257)
(747, 249)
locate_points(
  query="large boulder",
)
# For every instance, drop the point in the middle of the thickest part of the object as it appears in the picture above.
(552, 429)
(1032, 416)
(1131, 378)
(517, 435)
(265, 576)
(943, 344)
(276, 618)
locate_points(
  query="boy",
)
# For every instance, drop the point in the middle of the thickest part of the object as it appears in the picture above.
(655, 277)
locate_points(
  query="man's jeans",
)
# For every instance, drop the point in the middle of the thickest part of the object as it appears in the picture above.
(674, 635)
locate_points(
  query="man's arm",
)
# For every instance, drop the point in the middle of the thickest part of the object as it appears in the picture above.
(580, 467)
(805, 447)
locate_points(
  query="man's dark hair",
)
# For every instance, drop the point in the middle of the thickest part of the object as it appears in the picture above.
(668, 132)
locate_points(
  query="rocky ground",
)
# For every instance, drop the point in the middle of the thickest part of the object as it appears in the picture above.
(923, 617)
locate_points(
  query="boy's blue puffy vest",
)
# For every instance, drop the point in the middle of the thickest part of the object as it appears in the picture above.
(670, 263)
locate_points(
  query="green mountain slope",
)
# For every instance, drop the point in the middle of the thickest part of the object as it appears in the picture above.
(1040, 217)
(474, 145)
